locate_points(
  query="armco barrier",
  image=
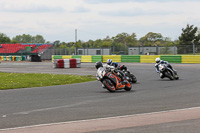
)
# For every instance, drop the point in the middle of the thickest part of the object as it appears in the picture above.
(86, 58)
(171, 58)
(190, 58)
(130, 58)
(96, 58)
(56, 56)
(148, 58)
(76, 56)
(115, 58)
(66, 56)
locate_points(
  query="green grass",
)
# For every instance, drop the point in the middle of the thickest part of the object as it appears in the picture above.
(28, 80)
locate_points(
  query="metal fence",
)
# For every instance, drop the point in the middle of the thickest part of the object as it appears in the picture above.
(189, 49)
(117, 50)
(172, 50)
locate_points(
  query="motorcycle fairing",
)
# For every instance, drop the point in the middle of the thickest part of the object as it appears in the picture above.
(114, 79)
(111, 76)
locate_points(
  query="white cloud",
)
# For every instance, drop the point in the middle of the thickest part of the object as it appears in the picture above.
(58, 19)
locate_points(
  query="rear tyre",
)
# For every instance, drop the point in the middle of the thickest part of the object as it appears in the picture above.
(109, 85)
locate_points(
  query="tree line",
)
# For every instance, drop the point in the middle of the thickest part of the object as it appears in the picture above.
(190, 35)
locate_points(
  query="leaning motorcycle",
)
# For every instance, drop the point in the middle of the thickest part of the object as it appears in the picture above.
(165, 71)
(129, 76)
(111, 81)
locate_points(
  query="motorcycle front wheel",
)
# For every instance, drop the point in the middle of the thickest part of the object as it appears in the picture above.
(168, 74)
(109, 85)
(128, 87)
(134, 79)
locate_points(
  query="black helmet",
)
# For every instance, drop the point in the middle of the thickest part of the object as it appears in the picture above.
(123, 67)
(98, 64)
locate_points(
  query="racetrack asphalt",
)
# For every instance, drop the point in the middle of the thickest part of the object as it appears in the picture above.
(85, 101)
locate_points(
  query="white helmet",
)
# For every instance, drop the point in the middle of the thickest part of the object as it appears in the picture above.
(157, 60)
(109, 61)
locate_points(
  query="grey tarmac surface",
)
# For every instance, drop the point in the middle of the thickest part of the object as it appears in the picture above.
(65, 103)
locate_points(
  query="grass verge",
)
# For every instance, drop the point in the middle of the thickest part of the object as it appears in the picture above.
(28, 80)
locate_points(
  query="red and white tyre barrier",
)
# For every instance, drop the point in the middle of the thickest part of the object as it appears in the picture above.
(67, 63)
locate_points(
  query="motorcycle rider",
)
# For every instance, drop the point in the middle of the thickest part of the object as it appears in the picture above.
(117, 69)
(115, 64)
(158, 62)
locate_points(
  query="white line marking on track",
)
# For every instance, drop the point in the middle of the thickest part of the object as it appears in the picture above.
(88, 120)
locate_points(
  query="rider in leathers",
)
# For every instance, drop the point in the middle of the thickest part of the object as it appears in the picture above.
(158, 62)
(116, 65)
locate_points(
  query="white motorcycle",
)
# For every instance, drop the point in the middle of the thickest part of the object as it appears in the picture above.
(165, 71)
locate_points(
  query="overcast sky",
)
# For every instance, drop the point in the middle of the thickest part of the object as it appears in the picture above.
(96, 19)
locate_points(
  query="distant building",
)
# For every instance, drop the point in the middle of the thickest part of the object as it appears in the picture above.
(152, 50)
(93, 51)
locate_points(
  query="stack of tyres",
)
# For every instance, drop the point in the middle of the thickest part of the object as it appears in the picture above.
(14, 58)
(78, 62)
(72, 63)
(4, 58)
(60, 63)
(55, 63)
(7, 58)
(66, 63)
(18, 58)
(10, 58)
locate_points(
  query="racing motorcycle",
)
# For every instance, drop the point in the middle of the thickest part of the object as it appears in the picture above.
(111, 81)
(129, 76)
(165, 71)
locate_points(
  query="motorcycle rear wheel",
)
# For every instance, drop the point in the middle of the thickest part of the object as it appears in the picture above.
(109, 85)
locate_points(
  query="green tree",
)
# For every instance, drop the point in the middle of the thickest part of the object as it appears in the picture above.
(125, 39)
(4, 38)
(98, 43)
(22, 38)
(151, 39)
(26, 38)
(189, 35)
(38, 39)
(56, 44)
